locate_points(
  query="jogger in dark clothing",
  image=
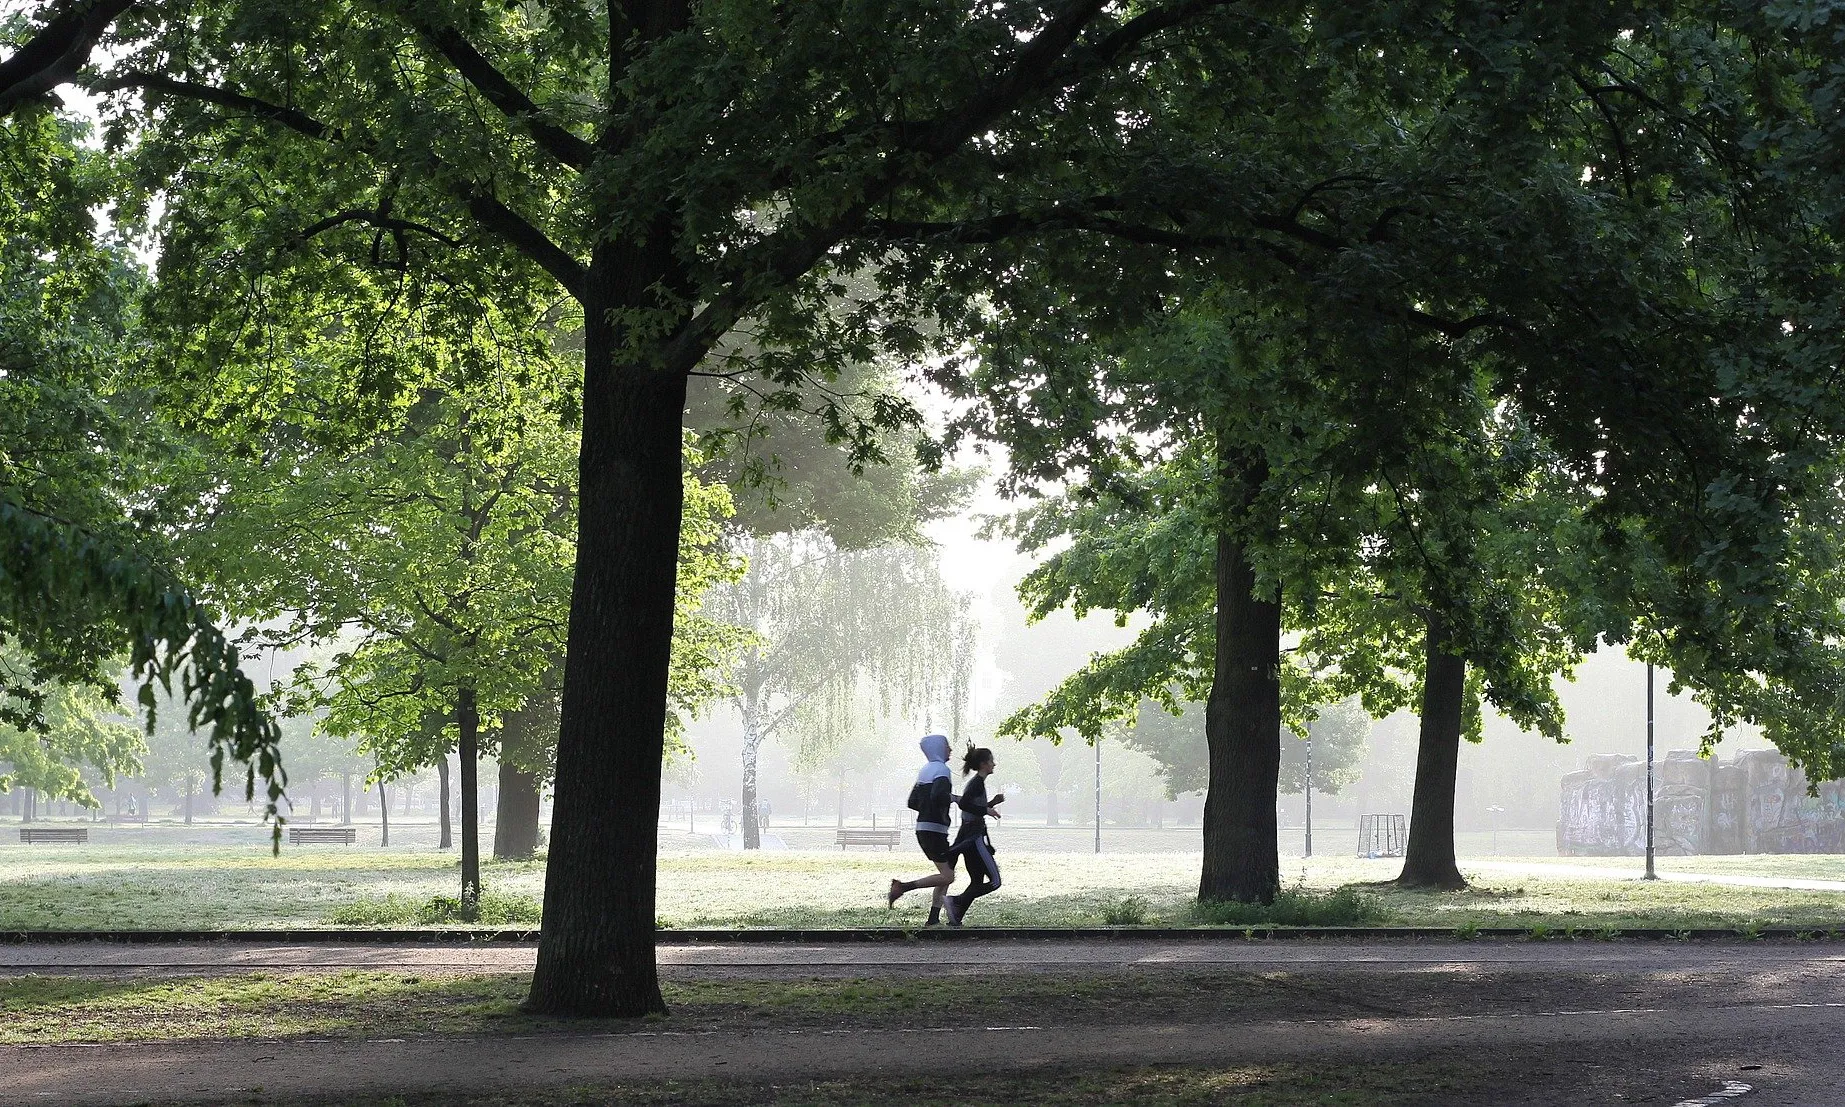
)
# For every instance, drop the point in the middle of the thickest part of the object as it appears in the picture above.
(929, 798)
(972, 842)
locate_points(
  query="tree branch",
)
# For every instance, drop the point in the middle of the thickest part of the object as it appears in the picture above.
(59, 49)
(372, 218)
(527, 239)
(297, 121)
(486, 208)
(512, 102)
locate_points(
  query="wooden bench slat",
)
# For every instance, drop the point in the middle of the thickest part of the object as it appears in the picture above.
(346, 835)
(69, 834)
(852, 836)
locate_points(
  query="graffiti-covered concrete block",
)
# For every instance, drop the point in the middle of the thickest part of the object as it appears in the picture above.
(1756, 803)
(1594, 815)
(1681, 805)
(1725, 806)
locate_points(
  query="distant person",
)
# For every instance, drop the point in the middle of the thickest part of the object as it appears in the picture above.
(730, 823)
(972, 842)
(930, 798)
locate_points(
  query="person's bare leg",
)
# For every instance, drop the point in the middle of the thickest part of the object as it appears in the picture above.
(941, 890)
(944, 876)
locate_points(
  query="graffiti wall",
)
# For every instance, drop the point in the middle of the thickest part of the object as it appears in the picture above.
(1754, 803)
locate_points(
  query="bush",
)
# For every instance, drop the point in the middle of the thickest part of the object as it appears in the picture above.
(1295, 907)
(392, 910)
(1131, 911)
(496, 909)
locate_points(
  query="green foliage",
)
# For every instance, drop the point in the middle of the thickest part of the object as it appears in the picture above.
(1296, 907)
(80, 729)
(438, 551)
(85, 571)
(1339, 732)
(1127, 911)
(822, 619)
(495, 909)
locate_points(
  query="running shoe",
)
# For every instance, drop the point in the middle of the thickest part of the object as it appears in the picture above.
(896, 893)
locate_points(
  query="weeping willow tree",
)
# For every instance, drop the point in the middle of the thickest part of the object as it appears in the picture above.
(829, 624)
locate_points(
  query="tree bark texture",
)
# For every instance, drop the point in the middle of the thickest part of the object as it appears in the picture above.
(467, 719)
(1242, 721)
(1429, 859)
(524, 734)
(447, 841)
(596, 955)
(58, 51)
(752, 742)
(515, 820)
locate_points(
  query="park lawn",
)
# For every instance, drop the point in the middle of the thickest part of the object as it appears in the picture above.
(173, 887)
(1801, 866)
(233, 887)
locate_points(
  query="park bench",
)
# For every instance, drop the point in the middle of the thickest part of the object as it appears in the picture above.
(854, 836)
(302, 835)
(67, 835)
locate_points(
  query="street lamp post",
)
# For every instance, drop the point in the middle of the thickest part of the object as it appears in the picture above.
(1308, 852)
(1098, 795)
(1650, 873)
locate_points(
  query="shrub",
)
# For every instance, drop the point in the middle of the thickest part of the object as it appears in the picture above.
(1295, 907)
(1131, 911)
(392, 910)
(496, 909)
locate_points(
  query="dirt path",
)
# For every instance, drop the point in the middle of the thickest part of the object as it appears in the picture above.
(1653, 1055)
(1548, 1023)
(770, 961)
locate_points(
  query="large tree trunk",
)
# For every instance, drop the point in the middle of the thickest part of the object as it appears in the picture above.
(525, 736)
(1429, 859)
(447, 841)
(467, 720)
(515, 819)
(596, 953)
(1242, 719)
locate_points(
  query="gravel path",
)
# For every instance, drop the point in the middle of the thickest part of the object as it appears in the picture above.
(1655, 1055)
(1552, 1022)
(761, 960)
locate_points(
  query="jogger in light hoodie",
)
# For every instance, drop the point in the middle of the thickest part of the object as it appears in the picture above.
(931, 797)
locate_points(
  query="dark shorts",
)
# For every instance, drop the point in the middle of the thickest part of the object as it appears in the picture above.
(934, 844)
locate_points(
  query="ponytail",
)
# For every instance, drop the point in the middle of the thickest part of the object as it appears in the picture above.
(974, 758)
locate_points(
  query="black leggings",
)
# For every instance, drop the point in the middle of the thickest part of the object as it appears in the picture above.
(982, 873)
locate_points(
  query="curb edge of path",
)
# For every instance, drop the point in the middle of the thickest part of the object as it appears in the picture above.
(773, 936)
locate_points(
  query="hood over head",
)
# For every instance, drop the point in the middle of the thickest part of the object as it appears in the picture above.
(935, 748)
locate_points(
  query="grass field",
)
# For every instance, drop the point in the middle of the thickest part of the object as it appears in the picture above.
(237, 886)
